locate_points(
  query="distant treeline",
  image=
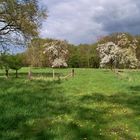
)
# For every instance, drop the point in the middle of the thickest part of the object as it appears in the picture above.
(80, 56)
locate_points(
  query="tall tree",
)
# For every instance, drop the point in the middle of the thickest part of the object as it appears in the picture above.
(34, 54)
(19, 20)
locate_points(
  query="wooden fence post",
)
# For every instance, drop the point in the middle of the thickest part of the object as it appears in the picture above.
(30, 74)
(53, 74)
(72, 72)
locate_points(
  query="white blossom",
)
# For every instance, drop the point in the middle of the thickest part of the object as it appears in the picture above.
(57, 53)
(59, 62)
(122, 54)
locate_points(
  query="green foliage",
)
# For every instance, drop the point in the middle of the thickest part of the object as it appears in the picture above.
(20, 21)
(5, 61)
(20, 15)
(74, 57)
(15, 62)
(8, 61)
(84, 55)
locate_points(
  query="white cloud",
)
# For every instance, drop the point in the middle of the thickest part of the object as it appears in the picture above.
(82, 21)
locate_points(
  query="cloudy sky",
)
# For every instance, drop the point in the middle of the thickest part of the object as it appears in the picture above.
(84, 21)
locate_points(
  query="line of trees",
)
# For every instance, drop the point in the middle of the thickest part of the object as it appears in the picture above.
(115, 52)
(78, 56)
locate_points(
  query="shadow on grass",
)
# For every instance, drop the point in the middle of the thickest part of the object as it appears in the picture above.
(41, 110)
(24, 103)
(135, 88)
(116, 109)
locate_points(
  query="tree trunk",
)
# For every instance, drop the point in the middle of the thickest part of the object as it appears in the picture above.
(16, 73)
(7, 73)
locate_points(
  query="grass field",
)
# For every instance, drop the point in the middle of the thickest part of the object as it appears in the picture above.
(94, 105)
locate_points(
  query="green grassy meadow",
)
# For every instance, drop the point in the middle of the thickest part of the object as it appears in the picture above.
(94, 105)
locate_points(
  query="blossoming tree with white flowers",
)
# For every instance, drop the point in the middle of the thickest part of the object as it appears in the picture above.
(121, 54)
(57, 52)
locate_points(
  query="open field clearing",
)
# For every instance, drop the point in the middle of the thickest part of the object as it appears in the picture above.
(94, 105)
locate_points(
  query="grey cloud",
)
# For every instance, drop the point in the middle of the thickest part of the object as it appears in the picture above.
(121, 18)
(83, 21)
